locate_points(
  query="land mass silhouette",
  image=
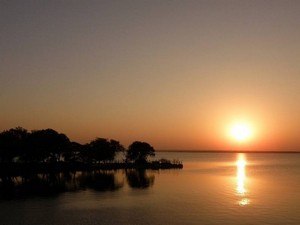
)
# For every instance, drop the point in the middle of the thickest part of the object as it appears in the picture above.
(46, 150)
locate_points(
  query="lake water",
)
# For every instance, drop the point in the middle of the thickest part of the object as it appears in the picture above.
(213, 188)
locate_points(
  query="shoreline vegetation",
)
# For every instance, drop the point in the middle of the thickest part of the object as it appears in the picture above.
(47, 151)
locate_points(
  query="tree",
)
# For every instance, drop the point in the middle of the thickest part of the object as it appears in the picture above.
(139, 152)
(46, 145)
(11, 143)
(73, 152)
(102, 149)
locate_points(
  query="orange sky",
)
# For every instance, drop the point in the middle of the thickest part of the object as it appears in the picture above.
(173, 73)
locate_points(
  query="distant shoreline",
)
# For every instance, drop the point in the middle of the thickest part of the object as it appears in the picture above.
(227, 151)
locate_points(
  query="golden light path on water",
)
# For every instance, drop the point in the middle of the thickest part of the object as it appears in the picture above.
(241, 180)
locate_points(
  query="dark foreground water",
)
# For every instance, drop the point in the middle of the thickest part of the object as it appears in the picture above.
(213, 188)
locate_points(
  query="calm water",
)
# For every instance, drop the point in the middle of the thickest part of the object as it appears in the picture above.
(213, 188)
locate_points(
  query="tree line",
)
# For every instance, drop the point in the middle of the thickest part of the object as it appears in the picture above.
(47, 145)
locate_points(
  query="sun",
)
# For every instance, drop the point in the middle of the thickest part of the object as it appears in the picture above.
(241, 131)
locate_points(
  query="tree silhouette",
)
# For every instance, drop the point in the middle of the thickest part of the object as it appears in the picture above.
(73, 152)
(139, 152)
(41, 150)
(102, 149)
(46, 145)
(12, 142)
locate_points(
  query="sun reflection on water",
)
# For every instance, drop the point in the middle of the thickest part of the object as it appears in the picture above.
(241, 180)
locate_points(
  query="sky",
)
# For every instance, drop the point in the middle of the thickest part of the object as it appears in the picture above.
(177, 74)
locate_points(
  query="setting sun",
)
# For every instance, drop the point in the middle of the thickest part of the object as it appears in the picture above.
(241, 131)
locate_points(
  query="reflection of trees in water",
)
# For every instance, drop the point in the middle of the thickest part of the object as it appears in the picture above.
(35, 185)
(44, 185)
(53, 184)
(139, 179)
(99, 181)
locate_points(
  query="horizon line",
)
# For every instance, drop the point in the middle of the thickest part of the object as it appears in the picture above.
(229, 151)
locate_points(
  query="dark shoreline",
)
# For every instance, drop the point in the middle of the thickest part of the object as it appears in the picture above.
(19, 169)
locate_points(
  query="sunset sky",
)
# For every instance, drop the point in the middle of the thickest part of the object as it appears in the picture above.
(177, 74)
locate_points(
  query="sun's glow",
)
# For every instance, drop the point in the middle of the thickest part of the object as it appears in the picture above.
(241, 131)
